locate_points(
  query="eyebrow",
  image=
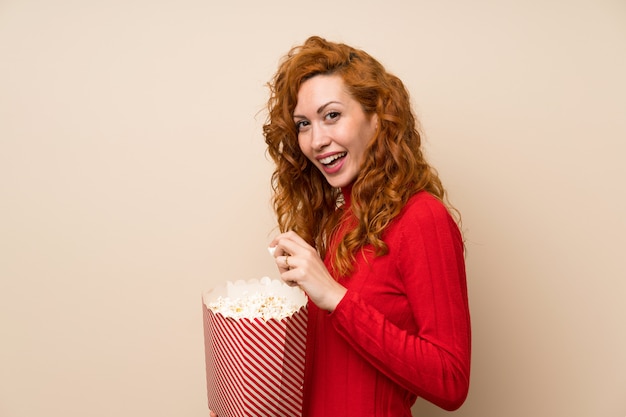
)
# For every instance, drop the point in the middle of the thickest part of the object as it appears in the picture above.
(319, 110)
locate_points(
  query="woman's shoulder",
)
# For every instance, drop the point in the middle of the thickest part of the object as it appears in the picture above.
(426, 213)
(423, 204)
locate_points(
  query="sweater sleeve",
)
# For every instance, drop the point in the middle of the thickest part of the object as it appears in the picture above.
(434, 361)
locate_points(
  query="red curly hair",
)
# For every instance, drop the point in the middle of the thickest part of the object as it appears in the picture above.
(393, 169)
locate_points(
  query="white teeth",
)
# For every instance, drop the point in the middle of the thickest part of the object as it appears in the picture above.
(330, 159)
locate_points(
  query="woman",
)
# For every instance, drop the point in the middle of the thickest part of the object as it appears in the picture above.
(367, 235)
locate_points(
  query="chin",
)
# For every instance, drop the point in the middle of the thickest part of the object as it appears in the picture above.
(339, 182)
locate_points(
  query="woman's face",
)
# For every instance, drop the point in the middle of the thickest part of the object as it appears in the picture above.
(333, 129)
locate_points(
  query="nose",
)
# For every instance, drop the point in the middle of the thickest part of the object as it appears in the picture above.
(319, 138)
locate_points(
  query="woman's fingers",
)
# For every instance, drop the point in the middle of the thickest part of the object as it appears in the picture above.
(289, 252)
(300, 264)
(279, 246)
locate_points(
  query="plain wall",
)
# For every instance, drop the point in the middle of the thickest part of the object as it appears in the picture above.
(133, 176)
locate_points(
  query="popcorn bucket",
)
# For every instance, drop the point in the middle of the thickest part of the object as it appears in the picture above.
(255, 359)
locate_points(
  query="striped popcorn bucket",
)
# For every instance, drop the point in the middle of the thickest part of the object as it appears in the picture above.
(254, 366)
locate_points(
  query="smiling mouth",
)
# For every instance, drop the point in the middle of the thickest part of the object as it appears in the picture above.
(332, 160)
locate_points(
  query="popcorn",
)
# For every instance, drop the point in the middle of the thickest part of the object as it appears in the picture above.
(255, 341)
(265, 298)
(255, 306)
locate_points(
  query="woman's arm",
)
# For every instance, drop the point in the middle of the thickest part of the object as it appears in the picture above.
(434, 360)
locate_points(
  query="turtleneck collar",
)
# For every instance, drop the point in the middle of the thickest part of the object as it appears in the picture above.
(347, 195)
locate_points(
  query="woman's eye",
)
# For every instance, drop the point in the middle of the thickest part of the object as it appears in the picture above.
(302, 124)
(332, 115)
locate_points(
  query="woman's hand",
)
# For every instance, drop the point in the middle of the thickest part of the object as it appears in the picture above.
(212, 414)
(299, 264)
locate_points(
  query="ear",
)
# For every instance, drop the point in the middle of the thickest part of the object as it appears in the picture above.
(375, 121)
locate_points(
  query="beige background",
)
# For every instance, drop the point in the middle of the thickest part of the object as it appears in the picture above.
(133, 177)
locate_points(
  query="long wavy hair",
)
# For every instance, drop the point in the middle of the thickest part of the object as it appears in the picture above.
(393, 169)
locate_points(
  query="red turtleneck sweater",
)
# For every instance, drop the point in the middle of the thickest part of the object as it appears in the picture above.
(403, 328)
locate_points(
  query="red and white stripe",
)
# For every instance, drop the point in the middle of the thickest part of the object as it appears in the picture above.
(255, 368)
